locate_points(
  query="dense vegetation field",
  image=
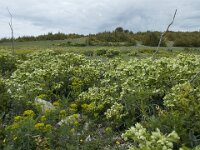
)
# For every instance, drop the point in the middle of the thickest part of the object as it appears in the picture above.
(54, 96)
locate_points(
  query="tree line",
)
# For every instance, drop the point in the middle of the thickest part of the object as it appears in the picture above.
(121, 36)
(148, 38)
(48, 36)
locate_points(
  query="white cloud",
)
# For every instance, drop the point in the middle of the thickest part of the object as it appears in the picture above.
(33, 17)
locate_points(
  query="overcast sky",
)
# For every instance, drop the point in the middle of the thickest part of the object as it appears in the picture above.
(34, 17)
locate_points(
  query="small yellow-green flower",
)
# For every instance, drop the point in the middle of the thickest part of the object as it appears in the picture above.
(76, 116)
(39, 125)
(48, 127)
(17, 118)
(76, 123)
(42, 96)
(84, 106)
(43, 118)
(47, 111)
(100, 107)
(56, 103)
(73, 105)
(72, 110)
(72, 130)
(63, 112)
(14, 138)
(117, 142)
(29, 113)
(88, 107)
(108, 129)
(15, 126)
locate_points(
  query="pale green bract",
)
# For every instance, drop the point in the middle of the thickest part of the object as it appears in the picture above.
(144, 140)
(115, 112)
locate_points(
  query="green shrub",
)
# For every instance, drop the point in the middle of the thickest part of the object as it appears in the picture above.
(152, 39)
(7, 64)
(112, 53)
(101, 52)
(4, 98)
(144, 140)
(20, 134)
(89, 53)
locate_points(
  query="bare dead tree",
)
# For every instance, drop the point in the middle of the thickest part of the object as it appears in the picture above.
(12, 30)
(164, 33)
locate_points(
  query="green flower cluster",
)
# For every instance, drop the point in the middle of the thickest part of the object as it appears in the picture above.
(181, 96)
(144, 140)
(115, 112)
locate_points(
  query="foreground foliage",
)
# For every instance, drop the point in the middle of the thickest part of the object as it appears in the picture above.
(152, 103)
(156, 140)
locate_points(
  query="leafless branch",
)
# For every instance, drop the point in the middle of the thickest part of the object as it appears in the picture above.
(164, 33)
(11, 28)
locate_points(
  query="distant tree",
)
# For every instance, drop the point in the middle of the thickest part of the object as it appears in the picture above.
(4, 40)
(126, 31)
(119, 29)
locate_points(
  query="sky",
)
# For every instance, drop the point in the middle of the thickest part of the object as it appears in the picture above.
(36, 17)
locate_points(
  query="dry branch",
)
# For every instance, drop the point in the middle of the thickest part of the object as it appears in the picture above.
(163, 34)
(12, 30)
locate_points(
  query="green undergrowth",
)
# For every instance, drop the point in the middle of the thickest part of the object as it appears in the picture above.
(106, 102)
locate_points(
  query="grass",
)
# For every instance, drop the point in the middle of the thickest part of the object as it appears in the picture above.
(125, 51)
